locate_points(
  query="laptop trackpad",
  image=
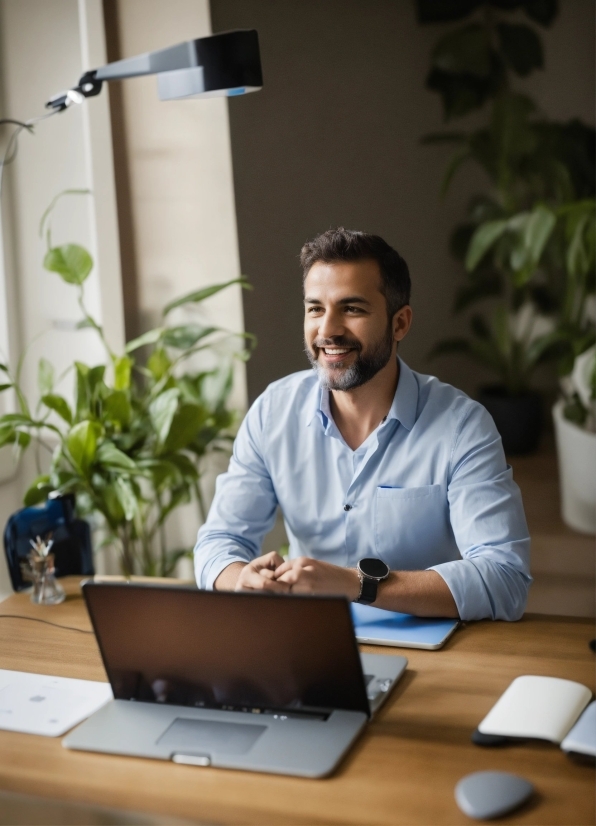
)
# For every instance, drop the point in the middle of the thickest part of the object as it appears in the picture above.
(209, 735)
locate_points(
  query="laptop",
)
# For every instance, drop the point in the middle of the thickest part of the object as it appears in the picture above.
(261, 682)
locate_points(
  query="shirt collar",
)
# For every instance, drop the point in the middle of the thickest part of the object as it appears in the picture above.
(403, 408)
(405, 401)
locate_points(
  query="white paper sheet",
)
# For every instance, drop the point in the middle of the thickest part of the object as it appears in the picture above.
(51, 706)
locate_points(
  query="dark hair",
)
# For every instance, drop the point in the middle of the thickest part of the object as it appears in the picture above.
(348, 245)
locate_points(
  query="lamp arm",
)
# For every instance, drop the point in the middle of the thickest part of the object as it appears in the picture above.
(181, 56)
(227, 60)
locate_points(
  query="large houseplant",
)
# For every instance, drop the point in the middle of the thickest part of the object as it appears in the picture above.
(533, 167)
(562, 246)
(575, 429)
(131, 444)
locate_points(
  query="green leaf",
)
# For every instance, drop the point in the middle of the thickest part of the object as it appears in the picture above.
(185, 465)
(482, 240)
(217, 385)
(7, 434)
(553, 345)
(72, 262)
(158, 363)
(59, 405)
(38, 491)
(5, 387)
(83, 392)
(22, 439)
(150, 337)
(117, 408)
(109, 455)
(127, 498)
(465, 50)
(187, 422)
(45, 377)
(187, 335)
(538, 230)
(110, 503)
(122, 369)
(3, 368)
(460, 93)
(577, 258)
(15, 419)
(200, 295)
(162, 411)
(521, 48)
(163, 471)
(575, 412)
(82, 444)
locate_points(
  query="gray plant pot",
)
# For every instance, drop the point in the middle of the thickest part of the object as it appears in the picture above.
(519, 419)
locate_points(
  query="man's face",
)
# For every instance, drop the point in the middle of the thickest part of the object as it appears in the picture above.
(348, 336)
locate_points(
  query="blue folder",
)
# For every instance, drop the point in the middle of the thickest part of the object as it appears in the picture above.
(373, 625)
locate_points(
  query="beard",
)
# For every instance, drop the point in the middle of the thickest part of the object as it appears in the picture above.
(365, 366)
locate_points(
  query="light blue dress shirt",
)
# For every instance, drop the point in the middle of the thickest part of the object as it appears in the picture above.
(428, 489)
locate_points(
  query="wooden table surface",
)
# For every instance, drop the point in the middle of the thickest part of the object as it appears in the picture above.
(402, 770)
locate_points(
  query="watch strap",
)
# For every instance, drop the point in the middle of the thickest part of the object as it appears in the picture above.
(368, 590)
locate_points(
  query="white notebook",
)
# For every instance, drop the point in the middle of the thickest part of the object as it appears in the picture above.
(537, 707)
(41, 704)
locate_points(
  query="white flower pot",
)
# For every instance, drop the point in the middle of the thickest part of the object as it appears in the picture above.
(576, 448)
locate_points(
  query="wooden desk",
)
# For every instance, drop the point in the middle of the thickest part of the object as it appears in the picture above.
(402, 770)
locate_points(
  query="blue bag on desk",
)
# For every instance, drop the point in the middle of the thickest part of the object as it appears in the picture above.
(72, 547)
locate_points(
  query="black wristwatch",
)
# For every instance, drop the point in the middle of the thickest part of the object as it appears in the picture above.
(371, 571)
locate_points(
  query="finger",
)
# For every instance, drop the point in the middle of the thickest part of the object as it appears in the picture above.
(266, 573)
(257, 581)
(297, 575)
(284, 568)
(302, 586)
(290, 577)
(302, 563)
(271, 561)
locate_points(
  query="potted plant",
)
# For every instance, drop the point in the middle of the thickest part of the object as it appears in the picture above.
(533, 166)
(132, 443)
(561, 252)
(575, 430)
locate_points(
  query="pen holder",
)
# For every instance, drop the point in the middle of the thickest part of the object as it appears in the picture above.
(41, 572)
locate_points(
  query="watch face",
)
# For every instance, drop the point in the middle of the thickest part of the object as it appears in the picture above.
(373, 567)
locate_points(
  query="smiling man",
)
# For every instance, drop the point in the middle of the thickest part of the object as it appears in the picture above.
(394, 486)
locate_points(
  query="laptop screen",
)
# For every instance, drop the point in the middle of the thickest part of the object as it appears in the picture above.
(239, 651)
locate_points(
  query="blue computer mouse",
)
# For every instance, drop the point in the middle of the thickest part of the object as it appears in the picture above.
(484, 795)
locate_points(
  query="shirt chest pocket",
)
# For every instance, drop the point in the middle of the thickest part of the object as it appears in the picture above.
(411, 526)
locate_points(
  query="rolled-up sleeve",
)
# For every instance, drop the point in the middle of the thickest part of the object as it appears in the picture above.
(244, 506)
(487, 518)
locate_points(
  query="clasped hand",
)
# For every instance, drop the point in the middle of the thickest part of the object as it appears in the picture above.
(270, 573)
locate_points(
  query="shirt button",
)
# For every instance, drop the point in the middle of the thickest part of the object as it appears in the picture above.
(347, 507)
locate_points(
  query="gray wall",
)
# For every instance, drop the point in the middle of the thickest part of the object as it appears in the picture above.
(334, 138)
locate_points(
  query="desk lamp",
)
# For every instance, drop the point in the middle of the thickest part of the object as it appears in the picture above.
(225, 64)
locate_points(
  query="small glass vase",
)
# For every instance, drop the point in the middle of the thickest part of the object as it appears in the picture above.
(46, 590)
